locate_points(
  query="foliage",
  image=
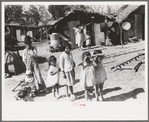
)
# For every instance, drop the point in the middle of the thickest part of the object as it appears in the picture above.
(45, 16)
(13, 11)
(57, 11)
(31, 15)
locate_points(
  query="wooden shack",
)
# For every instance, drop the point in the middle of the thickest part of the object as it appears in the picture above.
(18, 29)
(135, 15)
(66, 24)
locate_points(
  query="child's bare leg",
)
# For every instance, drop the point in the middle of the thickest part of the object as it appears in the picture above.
(57, 87)
(71, 89)
(101, 90)
(57, 90)
(53, 90)
(86, 95)
(72, 96)
(96, 92)
(66, 91)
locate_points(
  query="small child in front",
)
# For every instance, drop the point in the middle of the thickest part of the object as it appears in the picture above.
(100, 72)
(53, 76)
(87, 77)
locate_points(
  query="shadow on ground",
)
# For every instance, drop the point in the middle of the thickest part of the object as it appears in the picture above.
(122, 97)
(110, 90)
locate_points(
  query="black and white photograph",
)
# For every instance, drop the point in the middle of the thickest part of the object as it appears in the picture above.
(88, 59)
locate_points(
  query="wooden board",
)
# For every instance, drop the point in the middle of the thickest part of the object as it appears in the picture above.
(99, 36)
(138, 26)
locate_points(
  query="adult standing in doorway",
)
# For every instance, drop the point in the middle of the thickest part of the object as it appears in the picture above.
(104, 28)
(79, 35)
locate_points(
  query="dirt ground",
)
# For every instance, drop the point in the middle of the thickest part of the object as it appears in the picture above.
(125, 85)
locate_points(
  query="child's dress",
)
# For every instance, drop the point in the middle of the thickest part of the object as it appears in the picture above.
(100, 73)
(79, 37)
(88, 40)
(52, 79)
(87, 76)
(67, 65)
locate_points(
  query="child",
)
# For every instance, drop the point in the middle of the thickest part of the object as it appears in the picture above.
(79, 35)
(30, 82)
(101, 75)
(67, 67)
(87, 74)
(53, 76)
(88, 39)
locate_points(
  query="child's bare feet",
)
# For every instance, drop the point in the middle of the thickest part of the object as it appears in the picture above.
(72, 97)
(102, 99)
(57, 96)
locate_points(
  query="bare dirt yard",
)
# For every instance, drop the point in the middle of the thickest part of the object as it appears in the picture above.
(125, 85)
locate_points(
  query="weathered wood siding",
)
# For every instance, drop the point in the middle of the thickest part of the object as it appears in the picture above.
(139, 26)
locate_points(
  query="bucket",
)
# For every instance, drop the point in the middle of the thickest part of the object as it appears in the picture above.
(54, 40)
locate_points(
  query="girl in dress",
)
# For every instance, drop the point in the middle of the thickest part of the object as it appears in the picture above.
(53, 76)
(101, 75)
(88, 39)
(87, 74)
(67, 67)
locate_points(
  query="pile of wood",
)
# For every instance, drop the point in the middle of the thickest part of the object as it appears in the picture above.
(136, 67)
(123, 53)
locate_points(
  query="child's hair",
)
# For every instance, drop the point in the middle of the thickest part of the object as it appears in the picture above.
(85, 54)
(98, 52)
(51, 58)
(68, 45)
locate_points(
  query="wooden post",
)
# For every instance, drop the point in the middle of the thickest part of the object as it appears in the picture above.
(121, 34)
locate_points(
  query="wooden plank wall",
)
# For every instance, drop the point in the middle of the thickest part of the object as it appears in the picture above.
(131, 32)
(138, 26)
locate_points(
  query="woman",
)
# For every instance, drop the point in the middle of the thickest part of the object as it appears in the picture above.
(28, 49)
(30, 60)
(79, 36)
(32, 65)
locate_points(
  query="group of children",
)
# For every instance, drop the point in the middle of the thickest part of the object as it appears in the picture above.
(92, 73)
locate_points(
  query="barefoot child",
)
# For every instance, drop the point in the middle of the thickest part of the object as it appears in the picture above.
(101, 75)
(67, 68)
(87, 74)
(53, 76)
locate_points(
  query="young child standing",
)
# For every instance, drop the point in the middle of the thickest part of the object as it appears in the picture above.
(88, 39)
(100, 72)
(53, 76)
(67, 68)
(87, 74)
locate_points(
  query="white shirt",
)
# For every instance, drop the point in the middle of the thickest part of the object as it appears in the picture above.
(66, 62)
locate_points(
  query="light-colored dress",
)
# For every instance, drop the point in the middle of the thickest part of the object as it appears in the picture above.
(101, 75)
(67, 65)
(87, 77)
(52, 79)
(88, 40)
(27, 53)
(79, 37)
(32, 64)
